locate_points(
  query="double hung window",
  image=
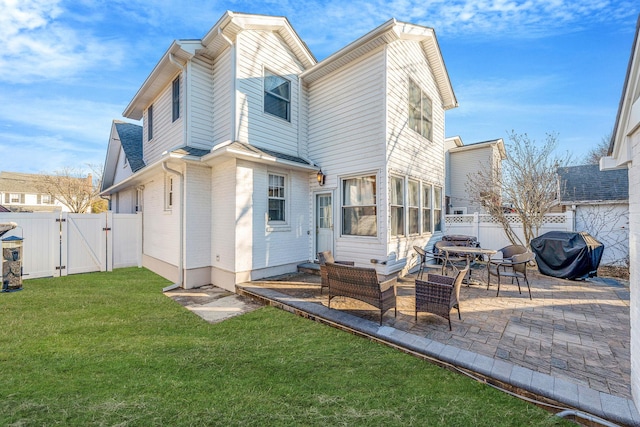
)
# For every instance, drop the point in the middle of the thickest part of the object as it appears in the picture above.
(277, 198)
(359, 214)
(420, 111)
(437, 208)
(277, 95)
(413, 195)
(397, 206)
(426, 208)
(150, 123)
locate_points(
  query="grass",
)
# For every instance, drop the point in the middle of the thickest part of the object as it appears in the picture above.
(111, 349)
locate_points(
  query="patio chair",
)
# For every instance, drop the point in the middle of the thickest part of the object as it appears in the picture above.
(439, 294)
(507, 253)
(428, 260)
(517, 266)
(323, 258)
(452, 260)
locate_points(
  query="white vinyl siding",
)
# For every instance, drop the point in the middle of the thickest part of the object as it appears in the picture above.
(346, 138)
(197, 220)
(161, 231)
(463, 163)
(222, 87)
(201, 100)
(257, 51)
(166, 133)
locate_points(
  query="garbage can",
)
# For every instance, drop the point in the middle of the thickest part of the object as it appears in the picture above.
(12, 264)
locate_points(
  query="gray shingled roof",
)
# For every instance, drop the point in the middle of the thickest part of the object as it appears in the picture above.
(131, 141)
(17, 182)
(589, 183)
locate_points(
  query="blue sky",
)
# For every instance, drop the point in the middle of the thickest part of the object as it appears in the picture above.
(68, 68)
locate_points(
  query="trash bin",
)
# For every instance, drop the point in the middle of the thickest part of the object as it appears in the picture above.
(12, 264)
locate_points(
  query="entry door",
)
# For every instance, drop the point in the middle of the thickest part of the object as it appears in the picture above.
(324, 222)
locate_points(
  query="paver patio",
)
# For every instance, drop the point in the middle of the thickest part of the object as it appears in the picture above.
(576, 330)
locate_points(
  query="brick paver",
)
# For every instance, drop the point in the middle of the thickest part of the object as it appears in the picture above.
(576, 330)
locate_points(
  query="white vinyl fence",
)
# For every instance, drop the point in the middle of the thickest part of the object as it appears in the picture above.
(58, 244)
(490, 233)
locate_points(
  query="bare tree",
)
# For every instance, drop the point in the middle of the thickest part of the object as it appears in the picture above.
(524, 189)
(74, 188)
(601, 150)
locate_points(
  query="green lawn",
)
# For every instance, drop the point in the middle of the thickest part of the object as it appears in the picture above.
(111, 349)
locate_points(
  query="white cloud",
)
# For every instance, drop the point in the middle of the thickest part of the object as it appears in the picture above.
(38, 45)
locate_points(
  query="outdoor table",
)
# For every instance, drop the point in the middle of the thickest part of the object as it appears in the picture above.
(469, 252)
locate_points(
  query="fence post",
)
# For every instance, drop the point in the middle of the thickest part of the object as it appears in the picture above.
(108, 220)
(570, 219)
(64, 240)
(476, 224)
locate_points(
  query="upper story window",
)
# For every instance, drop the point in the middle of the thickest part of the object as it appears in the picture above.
(150, 123)
(359, 214)
(175, 99)
(420, 111)
(277, 197)
(277, 95)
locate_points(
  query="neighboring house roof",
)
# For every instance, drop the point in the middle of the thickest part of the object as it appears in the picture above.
(387, 33)
(3, 209)
(16, 182)
(587, 183)
(499, 143)
(131, 141)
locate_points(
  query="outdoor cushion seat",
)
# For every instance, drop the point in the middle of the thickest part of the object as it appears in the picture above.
(323, 258)
(439, 294)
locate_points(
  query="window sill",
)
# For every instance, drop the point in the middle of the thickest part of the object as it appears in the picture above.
(276, 228)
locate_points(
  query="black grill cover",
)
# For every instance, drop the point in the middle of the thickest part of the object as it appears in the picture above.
(567, 255)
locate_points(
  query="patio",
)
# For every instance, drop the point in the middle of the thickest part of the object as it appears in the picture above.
(577, 331)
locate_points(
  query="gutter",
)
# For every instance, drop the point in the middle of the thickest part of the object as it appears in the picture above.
(180, 282)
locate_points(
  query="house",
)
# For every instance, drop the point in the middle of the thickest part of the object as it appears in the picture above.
(624, 153)
(23, 192)
(256, 156)
(465, 160)
(124, 158)
(600, 202)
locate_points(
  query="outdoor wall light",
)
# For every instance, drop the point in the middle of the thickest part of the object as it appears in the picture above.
(320, 176)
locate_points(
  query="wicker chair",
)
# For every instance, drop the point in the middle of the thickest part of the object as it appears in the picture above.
(517, 270)
(439, 294)
(323, 258)
(428, 260)
(361, 284)
(507, 253)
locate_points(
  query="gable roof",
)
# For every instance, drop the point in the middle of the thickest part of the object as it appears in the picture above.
(587, 183)
(218, 38)
(460, 146)
(387, 33)
(131, 140)
(628, 109)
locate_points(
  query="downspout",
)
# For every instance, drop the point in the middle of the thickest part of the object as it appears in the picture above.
(180, 282)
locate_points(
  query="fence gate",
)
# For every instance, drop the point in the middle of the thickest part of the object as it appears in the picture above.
(83, 243)
(58, 244)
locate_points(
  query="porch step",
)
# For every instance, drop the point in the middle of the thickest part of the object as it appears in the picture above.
(309, 268)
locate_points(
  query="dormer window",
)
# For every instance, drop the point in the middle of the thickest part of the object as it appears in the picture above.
(277, 95)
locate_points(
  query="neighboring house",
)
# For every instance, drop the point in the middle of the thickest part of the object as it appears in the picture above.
(600, 201)
(624, 153)
(3, 209)
(465, 160)
(257, 156)
(124, 158)
(21, 192)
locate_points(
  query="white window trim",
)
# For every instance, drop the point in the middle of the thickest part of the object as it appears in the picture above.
(341, 206)
(169, 192)
(266, 70)
(403, 206)
(278, 225)
(409, 207)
